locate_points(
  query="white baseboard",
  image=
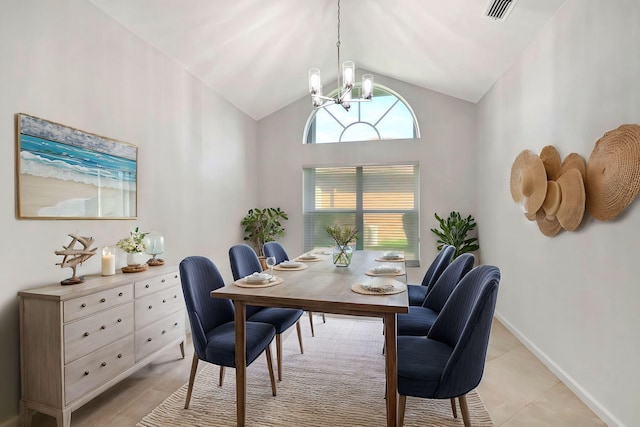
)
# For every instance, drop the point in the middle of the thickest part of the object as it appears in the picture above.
(576, 388)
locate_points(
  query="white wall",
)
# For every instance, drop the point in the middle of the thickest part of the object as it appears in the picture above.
(65, 61)
(445, 152)
(574, 298)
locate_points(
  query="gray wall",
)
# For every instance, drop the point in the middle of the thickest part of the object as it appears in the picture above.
(574, 298)
(65, 61)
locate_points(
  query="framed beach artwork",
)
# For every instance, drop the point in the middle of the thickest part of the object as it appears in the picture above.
(65, 173)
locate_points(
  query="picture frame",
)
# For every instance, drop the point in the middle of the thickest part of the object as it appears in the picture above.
(67, 173)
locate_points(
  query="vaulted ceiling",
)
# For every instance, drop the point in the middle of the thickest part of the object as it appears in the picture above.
(256, 53)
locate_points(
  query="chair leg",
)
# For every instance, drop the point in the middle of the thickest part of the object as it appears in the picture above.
(279, 355)
(267, 352)
(221, 375)
(402, 404)
(465, 410)
(311, 323)
(299, 331)
(453, 407)
(192, 377)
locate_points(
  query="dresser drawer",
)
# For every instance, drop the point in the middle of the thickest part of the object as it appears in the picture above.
(158, 305)
(91, 371)
(159, 334)
(154, 284)
(86, 335)
(89, 304)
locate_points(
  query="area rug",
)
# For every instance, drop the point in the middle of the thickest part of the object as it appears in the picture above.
(338, 381)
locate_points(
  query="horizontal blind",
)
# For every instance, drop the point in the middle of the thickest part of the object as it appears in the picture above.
(380, 201)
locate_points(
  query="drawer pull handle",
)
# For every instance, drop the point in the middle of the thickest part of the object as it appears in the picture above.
(120, 356)
(164, 300)
(103, 327)
(163, 280)
(119, 320)
(83, 305)
(175, 324)
(103, 300)
(148, 339)
(86, 373)
(175, 277)
(146, 286)
(175, 296)
(103, 364)
(164, 332)
(86, 334)
(150, 307)
(120, 294)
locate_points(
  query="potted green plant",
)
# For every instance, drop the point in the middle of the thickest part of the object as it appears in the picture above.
(454, 231)
(263, 225)
(342, 235)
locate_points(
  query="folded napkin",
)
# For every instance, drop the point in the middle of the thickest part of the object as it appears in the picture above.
(307, 256)
(378, 287)
(258, 278)
(386, 269)
(290, 264)
(393, 255)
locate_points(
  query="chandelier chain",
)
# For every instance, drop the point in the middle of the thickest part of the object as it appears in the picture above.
(338, 44)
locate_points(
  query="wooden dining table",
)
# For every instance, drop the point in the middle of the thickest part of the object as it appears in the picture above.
(323, 288)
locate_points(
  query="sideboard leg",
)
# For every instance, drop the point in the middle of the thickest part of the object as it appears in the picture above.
(26, 414)
(182, 348)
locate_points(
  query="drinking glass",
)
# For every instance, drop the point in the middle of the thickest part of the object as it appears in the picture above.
(271, 261)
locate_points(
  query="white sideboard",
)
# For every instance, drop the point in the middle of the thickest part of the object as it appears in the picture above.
(77, 341)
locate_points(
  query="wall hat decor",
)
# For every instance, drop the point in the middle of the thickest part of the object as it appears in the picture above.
(65, 173)
(572, 199)
(613, 172)
(546, 216)
(551, 161)
(574, 161)
(528, 182)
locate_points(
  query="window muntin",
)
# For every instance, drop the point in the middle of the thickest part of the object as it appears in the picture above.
(380, 201)
(386, 116)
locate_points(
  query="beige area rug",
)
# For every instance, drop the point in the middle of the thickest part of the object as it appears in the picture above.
(338, 381)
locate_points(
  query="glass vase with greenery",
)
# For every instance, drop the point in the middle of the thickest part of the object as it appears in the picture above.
(342, 235)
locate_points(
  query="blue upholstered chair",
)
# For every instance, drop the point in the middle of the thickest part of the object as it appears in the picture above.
(212, 322)
(449, 362)
(419, 320)
(278, 251)
(244, 262)
(417, 293)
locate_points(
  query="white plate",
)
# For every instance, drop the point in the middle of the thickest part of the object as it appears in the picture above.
(393, 255)
(386, 269)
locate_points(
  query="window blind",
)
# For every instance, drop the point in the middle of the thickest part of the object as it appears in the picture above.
(382, 202)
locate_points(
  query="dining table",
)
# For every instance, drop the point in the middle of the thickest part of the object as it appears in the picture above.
(317, 285)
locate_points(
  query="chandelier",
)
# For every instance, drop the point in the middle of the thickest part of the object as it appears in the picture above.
(347, 73)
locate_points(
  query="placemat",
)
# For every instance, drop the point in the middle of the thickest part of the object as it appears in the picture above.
(244, 284)
(385, 286)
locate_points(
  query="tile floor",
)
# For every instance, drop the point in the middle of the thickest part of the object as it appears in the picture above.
(516, 387)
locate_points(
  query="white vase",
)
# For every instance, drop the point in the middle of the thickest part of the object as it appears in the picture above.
(135, 258)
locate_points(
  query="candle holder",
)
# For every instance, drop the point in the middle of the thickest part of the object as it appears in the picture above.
(155, 246)
(108, 261)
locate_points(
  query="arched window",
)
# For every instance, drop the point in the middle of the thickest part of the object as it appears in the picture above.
(386, 116)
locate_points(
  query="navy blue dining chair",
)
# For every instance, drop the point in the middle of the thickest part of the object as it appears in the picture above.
(417, 293)
(419, 320)
(212, 322)
(275, 249)
(449, 362)
(245, 262)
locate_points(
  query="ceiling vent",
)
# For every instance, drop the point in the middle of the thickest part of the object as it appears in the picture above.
(499, 9)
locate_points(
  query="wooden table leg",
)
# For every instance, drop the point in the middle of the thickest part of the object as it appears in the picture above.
(241, 362)
(391, 360)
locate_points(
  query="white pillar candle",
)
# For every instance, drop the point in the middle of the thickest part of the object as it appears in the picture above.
(108, 262)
